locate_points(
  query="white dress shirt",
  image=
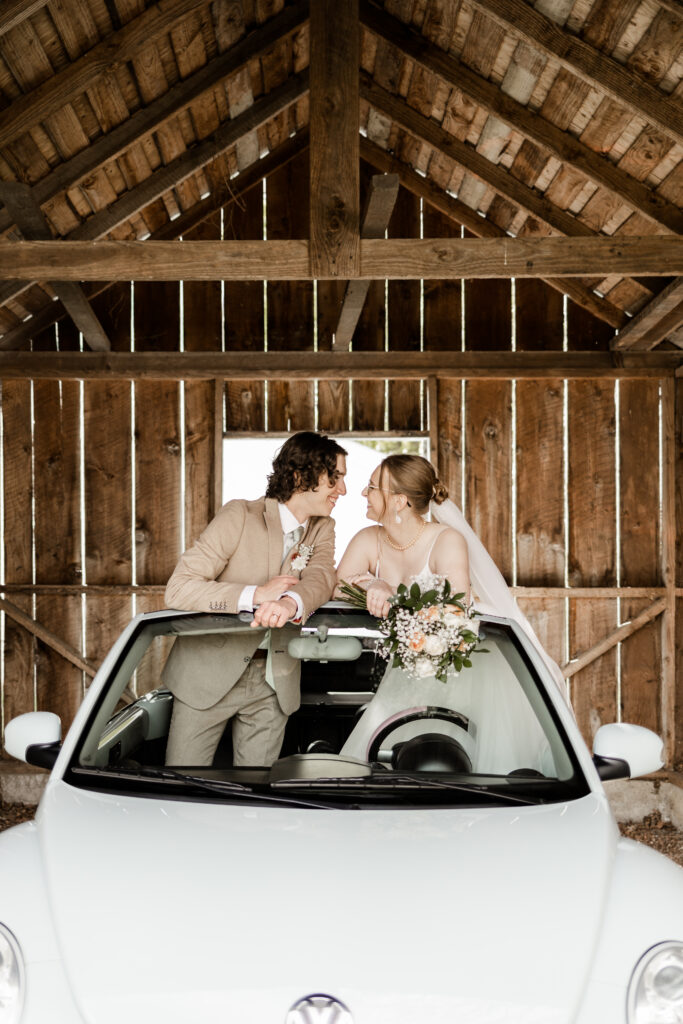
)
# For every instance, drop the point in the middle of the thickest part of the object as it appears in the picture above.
(289, 522)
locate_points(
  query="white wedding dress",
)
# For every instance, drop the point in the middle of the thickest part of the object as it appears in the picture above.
(504, 733)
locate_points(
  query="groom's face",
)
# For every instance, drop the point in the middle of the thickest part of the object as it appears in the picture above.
(321, 500)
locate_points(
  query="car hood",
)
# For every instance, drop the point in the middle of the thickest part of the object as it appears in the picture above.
(170, 910)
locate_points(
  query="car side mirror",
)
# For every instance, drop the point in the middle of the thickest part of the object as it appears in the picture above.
(35, 738)
(623, 751)
(321, 647)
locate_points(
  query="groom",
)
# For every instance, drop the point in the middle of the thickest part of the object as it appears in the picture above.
(273, 556)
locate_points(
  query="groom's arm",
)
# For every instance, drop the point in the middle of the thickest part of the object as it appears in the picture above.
(193, 585)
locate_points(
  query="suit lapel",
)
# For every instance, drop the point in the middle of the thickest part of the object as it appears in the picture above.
(271, 515)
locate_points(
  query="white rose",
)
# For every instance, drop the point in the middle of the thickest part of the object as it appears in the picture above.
(450, 619)
(423, 668)
(435, 646)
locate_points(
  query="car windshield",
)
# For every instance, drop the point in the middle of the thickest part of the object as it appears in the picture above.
(366, 733)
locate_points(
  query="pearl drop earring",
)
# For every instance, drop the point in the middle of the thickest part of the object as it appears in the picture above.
(398, 518)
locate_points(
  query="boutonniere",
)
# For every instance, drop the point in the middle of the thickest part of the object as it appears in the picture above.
(301, 557)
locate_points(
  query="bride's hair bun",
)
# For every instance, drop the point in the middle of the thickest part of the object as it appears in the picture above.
(415, 477)
(440, 493)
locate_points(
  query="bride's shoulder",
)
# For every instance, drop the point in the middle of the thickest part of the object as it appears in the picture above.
(448, 537)
(368, 533)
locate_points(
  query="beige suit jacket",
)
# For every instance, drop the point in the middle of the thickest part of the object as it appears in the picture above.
(242, 546)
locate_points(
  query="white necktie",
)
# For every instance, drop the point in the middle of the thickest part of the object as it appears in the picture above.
(291, 539)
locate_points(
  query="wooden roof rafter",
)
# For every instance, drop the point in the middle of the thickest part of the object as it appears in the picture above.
(519, 117)
(15, 11)
(223, 194)
(170, 175)
(655, 323)
(600, 70)
(154, 115)
(457, 211)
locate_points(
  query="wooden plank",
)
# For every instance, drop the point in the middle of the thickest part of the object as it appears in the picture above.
(370, 365)
(668, 567)
(678, 476)
(29, 218)
(393, 258)
(158, 537)
(74, 79)
(202, 331)
(108, 477)
(290, 303)
(334, 181)
(59, 685)
(592, 546)
(243, 318)
(662, 316)
(441, 299)
(585, 331)
(379, 205)
(491, 174)
(639, 504)
(154, 115)
(176, 170)
(404, 319)
(488, 468)
(457, 211)
(15, 11)
(48, 638)
(617, 636)
(19, 646)
(450, 440)
(520, 117)
(596, 68)
(224, 192)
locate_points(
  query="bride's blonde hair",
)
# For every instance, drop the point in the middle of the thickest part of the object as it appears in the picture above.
(415, 477)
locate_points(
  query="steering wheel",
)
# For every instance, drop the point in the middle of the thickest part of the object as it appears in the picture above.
(394, 722)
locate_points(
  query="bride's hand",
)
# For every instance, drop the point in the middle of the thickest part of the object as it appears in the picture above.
(378, 594)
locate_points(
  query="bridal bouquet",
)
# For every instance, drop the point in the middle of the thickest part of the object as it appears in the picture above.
(426, 631)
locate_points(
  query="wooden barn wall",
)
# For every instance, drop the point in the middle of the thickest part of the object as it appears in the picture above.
(105, 482)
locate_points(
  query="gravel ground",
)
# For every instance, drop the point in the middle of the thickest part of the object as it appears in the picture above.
(652, 831)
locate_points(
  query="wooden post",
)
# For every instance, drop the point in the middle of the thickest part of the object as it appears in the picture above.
(334, 175)
(668, 555)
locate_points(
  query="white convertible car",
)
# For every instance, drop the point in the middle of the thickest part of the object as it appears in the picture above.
(462, 866)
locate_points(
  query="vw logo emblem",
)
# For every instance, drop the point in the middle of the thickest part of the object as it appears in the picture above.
(319, 1009)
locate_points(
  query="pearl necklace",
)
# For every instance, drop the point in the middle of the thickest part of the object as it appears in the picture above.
(398, 547)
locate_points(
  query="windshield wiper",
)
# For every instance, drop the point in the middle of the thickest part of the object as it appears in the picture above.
(400, 782)
(222, 786)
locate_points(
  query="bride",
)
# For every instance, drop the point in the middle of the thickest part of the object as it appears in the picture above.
(404, 546)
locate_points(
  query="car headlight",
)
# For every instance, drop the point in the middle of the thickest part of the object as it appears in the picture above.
(11, 978)
(655, 994)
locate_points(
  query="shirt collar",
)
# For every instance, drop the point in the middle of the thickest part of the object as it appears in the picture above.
(288, 519)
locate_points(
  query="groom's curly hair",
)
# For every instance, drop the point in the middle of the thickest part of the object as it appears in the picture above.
(300, 463)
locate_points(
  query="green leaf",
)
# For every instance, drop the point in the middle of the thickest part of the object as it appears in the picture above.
(415, 591)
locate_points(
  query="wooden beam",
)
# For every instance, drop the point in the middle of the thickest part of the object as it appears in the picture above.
(336, 365)
(493, 175)
(483, 228)
(400, 259)
(13, 12)
(25, 211)
(76, 78)
(334, 168)
(660, 318)
(379, 205)
(619, 635)
(179, 169)
(563, 145)
(227, 192)
(601, 71)
(668, 567)
(152, 117)
(48, 637)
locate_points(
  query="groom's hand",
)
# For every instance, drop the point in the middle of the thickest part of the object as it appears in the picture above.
(273, 589)
(275, 613)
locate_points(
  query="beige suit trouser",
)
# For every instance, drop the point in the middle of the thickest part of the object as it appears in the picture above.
(258, 724)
